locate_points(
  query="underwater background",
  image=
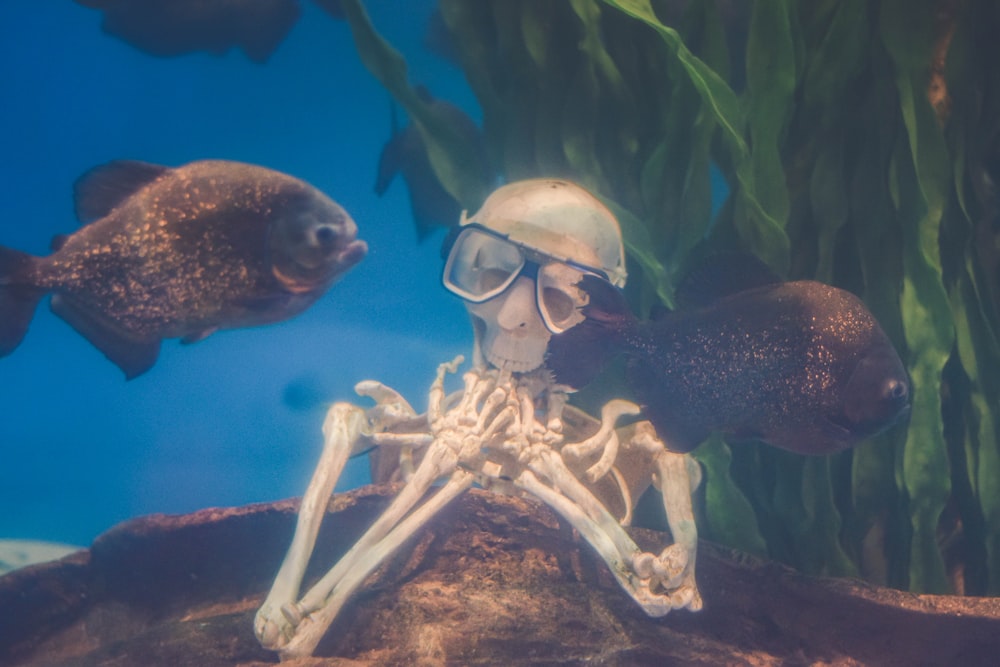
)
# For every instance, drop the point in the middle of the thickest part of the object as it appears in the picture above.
(858, 144)
(235, 418)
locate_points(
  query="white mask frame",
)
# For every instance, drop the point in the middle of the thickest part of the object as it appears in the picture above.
(482, 264)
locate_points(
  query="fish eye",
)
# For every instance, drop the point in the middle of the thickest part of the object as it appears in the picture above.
(896, 390)
(326, 235)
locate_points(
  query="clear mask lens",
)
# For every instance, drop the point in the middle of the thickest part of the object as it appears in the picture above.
(482, 265)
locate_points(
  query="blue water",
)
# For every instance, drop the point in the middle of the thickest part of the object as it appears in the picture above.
(233, 419)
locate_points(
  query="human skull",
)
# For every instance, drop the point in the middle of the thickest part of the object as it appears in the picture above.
(516, 263)
(509, 329)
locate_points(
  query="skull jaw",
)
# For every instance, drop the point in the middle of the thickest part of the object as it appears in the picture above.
(510, 333)
(513, 351)
(518, 354)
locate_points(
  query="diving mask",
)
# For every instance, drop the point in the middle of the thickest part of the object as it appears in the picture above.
(483, 264)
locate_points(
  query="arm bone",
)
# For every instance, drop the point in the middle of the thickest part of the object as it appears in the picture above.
(582, 509)
(342, 427)
(325, 603)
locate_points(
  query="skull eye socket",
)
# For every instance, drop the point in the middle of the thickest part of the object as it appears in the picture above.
(559, 298)
(481, 265)
(558, 305)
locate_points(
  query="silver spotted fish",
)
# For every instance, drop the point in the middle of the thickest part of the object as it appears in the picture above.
(180, 253)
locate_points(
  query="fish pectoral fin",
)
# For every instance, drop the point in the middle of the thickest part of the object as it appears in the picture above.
(833, 435)
(198, 335)
(134, 357)
(819, 437)
(836, 424)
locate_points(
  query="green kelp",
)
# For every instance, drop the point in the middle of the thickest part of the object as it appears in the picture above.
(859, 143)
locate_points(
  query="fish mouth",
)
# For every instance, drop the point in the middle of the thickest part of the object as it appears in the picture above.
(333, 242)
(303, 279)
(351, 253)
(345, 249)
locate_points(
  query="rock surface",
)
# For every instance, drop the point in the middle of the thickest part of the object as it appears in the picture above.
(492, 581)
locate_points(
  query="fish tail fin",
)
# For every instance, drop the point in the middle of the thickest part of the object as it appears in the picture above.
(578, 355)
(606, 305)
(18, 298)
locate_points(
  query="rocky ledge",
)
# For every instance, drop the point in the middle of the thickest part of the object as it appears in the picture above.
(492, 581)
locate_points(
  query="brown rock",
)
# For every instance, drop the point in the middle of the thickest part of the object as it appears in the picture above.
(491, 581)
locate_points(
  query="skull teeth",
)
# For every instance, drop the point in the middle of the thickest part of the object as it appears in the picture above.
(518, 355)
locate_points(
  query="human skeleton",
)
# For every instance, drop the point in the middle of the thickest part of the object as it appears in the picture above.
(509, 429)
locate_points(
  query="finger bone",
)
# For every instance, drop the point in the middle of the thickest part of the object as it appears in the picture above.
(437, 387)
(383, 394)
(503, 418)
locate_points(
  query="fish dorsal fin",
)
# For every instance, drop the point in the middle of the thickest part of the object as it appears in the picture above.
(57, 242)
(101, 189)
(722, 275)
(391, 157)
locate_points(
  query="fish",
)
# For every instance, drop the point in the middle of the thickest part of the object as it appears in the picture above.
(405, 153)
(166, 28)
(333, 8)
(801, 365)
(180, 253)
(438, 39)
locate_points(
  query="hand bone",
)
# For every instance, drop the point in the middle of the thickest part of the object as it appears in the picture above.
(666, 581)
(504, 431)
(390, 406)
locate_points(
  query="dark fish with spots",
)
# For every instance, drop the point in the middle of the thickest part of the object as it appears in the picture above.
(180, 253)
(798, 365)
(174, 27)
